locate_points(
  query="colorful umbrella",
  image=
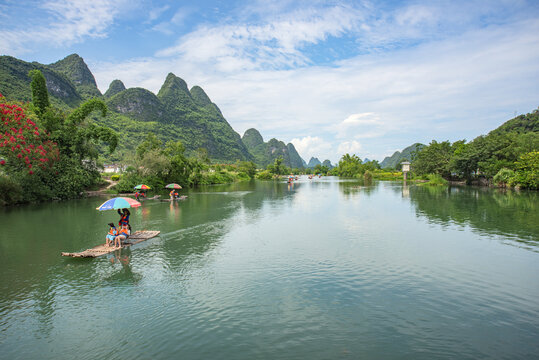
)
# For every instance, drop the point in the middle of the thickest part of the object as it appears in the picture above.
(173, 186)
(142, 187)
(118, 203)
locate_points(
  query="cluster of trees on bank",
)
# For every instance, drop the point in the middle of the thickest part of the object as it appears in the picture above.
(156, 164)
(47, 153)
(505, 157)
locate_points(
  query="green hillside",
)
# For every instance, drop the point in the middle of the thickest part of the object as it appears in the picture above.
(520, 124)
(394, 160)
(266, 153)
(15, 83)
(295, 159)
(175, 113)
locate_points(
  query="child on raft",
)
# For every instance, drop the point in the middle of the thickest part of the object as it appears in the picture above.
(112, 235)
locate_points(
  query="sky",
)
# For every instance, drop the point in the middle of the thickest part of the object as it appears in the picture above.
(332, 77)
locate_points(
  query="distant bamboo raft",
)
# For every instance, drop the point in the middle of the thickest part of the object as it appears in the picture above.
(99, 250)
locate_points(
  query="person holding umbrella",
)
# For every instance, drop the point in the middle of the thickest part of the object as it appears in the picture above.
(124, 218)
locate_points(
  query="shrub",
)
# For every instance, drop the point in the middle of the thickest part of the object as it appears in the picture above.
(264, 175)
(435, 180)
(115, 177)
(10, 191)
(504, 177)
(527, 174)
(367, 175)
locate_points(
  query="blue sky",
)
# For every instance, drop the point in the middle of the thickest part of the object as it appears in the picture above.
(332, 77)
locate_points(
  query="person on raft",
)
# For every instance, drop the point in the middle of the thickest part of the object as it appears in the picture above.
(136, 195)
(122, 235)
(112, 235)
(124, 218)
(173, 195)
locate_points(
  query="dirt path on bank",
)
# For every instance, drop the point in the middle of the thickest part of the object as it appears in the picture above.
(103, 190)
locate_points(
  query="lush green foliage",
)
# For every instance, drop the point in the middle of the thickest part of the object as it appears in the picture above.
(40, 95)
(352, 166)
(527, 171)
(156, 165)
(505, 155)
(435, 180)
(435, 158)
(503, 177)
(278, 167)
(48, 153)
(266, 153)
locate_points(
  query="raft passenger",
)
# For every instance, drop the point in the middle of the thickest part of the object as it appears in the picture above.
(111, 236)
(122, 235)
(124, 218)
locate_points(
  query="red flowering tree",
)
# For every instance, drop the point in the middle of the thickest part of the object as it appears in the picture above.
(23, 145)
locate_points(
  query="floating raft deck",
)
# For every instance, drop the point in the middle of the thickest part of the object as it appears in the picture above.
(99, 250)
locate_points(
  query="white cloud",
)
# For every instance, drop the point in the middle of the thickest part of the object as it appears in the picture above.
(274, 43)
(67, 22)
(155, 13)
(350, 147)
(456, 87)
(309, 146)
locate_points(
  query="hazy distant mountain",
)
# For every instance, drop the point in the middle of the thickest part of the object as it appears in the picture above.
(394, 160)
(313, 162)
(327, 164)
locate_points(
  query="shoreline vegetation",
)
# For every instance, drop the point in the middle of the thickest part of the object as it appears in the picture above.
(47, 153)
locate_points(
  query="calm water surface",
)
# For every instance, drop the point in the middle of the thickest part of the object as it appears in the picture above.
(323, 269)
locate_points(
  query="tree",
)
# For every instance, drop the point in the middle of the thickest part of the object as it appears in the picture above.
(527, 173)
(349, 166)
(150, 143)
(23, 145)
(277, 168)
(247, 167)
(434, 159)
(40, 95)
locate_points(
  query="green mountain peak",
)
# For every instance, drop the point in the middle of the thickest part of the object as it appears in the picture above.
(115, 87)
(200, 97)
(76, 70)
(252, 138)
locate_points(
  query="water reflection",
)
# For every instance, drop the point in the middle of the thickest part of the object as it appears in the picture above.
(125, 274)
(501, 212)
(352, 188)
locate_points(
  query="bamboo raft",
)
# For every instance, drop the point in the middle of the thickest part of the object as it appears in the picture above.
(103, 249)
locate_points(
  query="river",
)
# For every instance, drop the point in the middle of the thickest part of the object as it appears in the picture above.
(321, 269)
